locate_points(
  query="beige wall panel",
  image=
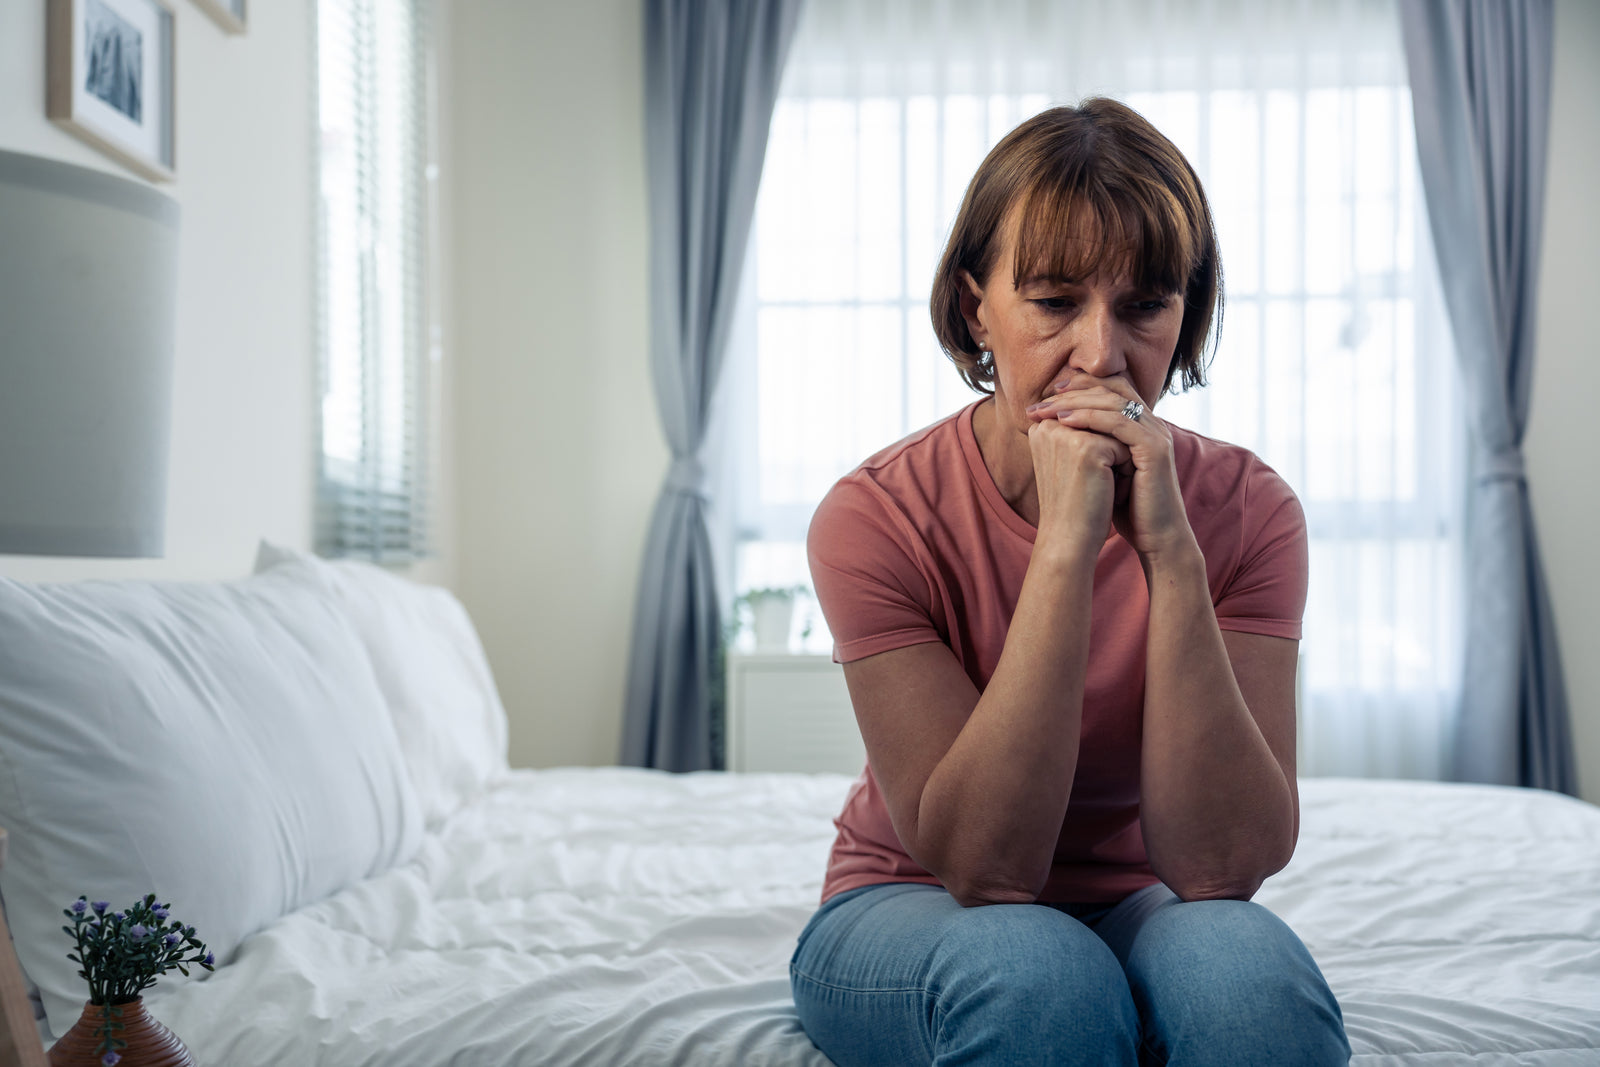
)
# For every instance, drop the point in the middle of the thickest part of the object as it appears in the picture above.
(560, 450)
(1563, 441)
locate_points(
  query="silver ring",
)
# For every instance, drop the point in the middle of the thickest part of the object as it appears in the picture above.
(1132, 410)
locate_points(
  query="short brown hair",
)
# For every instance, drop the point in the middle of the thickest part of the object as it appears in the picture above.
(1144, 202)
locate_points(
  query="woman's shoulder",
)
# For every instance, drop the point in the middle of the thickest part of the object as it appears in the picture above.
(1214, 457)
(932, 445)
(907, 472)
(894, 490)
(1220, 474)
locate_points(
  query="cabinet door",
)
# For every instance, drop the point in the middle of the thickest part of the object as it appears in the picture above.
(792, 717)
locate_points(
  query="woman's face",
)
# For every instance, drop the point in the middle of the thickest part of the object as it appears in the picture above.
(1076, 331)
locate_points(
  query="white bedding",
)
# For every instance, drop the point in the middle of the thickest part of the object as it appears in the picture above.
(621, 917)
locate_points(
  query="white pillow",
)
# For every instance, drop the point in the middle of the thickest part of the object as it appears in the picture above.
(223, 745)
(432, 670)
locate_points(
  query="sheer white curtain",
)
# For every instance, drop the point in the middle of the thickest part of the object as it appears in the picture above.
(1334, 365)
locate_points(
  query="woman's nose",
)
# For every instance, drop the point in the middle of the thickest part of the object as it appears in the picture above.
(1098, 344)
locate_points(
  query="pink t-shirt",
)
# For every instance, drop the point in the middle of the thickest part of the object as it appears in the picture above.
(917, 545)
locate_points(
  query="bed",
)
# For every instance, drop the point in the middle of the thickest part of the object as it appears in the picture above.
(624, 917)
(381, 888)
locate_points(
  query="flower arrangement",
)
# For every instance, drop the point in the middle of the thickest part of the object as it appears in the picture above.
(122, 953)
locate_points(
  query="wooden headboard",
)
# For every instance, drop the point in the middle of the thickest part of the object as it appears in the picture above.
(19, 1036)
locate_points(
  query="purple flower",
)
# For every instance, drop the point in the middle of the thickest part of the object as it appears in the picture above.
(100, 906)
(137, 931)
(110, 1059)
(209, 960)
(119, 916)
(170, 939)
(80, 906)
(162, 912)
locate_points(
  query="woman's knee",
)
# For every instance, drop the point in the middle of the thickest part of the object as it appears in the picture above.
(905, 975)
(1028, 984)
(1226, 981)
(1227, 945)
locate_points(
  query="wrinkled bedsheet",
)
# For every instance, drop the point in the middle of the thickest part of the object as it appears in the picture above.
(1456, 924)
(622, 917)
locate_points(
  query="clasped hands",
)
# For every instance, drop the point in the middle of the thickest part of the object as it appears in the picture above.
(1096, 469)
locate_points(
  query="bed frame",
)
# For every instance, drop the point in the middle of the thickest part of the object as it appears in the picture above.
(19, 1036)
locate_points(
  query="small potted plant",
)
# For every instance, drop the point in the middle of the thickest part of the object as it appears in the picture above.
(771, 614)
(122, 953)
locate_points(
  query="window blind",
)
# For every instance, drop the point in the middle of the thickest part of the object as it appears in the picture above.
(376, 338)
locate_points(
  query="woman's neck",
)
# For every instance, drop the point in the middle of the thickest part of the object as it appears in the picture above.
(1009, 460)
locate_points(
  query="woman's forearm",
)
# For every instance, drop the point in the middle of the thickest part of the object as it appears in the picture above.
(1216, 809)
(991, 811)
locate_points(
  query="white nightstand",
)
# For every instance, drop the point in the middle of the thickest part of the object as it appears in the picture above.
(790, 713)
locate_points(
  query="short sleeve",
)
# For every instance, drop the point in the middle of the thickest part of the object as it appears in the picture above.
(873, 592)
(1266, 594)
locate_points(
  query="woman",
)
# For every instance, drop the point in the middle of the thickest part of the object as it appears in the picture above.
(1069, 631)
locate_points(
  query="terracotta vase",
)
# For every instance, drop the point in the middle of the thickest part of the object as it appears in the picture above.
(149, 1044)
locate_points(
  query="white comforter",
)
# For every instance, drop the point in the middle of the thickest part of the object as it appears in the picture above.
(620, 917)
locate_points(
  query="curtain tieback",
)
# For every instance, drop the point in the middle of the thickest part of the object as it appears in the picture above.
(687, 475)
(1502, 467)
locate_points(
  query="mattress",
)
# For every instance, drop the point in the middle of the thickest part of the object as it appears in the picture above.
(625, 917)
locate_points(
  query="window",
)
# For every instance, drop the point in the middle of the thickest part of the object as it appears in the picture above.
(378, 336)
(1335, 362)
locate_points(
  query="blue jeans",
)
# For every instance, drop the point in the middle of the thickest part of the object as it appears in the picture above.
(902, 974)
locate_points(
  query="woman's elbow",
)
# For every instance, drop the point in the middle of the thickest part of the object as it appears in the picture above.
(977, 889)
(1191, 891)
(1238, 880)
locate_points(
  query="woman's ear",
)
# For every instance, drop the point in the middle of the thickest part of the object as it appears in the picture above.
(970, 293)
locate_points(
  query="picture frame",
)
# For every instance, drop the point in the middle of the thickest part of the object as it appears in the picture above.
(229, 14)
(110, 79)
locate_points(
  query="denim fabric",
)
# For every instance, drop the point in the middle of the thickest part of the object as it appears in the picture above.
(902, 974)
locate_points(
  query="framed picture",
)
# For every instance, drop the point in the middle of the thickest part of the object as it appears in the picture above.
(111, 79)
(229, 14)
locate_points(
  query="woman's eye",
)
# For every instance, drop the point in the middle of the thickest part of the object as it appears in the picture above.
(1149, 307)
(1054, 303)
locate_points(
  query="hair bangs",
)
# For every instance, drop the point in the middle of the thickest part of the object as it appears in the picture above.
(1076, 228)
(1079, 192)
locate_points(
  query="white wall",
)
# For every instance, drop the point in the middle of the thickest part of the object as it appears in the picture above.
(1563, 441)
(242, 453)
(241, 462)
(564, 451)
(560, 449)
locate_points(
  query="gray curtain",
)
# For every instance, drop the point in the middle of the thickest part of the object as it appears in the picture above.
(1480, 87)
(711, 77)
